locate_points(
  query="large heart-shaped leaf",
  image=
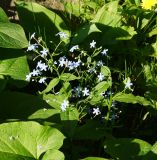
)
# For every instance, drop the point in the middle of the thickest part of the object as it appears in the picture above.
(43, 21)
(16, 67)
(104, 15)
(16, 105)
(69, 119)
(53, 155)
(84, 31)
(92, 130)
(54, 100)
(127, 148)
(3, 16)
(12, 36)
(27, 140)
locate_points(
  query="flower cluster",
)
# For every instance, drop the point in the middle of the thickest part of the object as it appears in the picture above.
(82, 64)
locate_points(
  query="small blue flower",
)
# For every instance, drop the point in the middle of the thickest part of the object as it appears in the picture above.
(93, 44)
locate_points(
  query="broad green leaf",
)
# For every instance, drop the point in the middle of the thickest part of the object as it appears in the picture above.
(147, 72)
(51, 85)
(105, 71)
(44, 114)
(68, 77)
(92, 130)
(130, 98)
(54, 101)
(53, 155)
(94, 158)
(44, 22)
(84, 32)
(73, 8)
(154, 148)
(3, 16)
(96, 97)
(124, 33)
(16, 67)
(126, 148)
(153, 32)
(152, 154)
(69, 119)
(102, 86)
(27, 140)
(137, 2)
(12, 36)
(104, 15)
(16, 105)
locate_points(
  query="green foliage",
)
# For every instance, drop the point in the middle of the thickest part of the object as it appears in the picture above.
(130, 98)
(51, 85)
(12, 36)
(43, 21)
(17, 105)
(94, 158)
(92, 130)
(87, 63)
(53, 154)
(11, 62)
(127, 148)
(69, 120)
(68, 77)
(3, 16)
(29, 140)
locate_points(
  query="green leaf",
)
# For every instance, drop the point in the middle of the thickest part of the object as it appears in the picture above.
(3, 16)
(153, 32)
(95, 97)
(54, 100)
(105, 71)
(154, 148)
(51, 85)
(104, 17)
(12, 36)
(102, 86)
(44, 113)
(27, 140)
(44, 22)
(16, 67)
(53, 155)
(16, 105)
(152, 154)
(94, 158)
(147, 72)
(84, 32)
(66, 89)
(69, 121)
(73, 8)
(68, 77)
(130, 98)
(92, 130)
(127, 148)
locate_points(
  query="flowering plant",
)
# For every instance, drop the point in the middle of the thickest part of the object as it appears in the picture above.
(85, 84)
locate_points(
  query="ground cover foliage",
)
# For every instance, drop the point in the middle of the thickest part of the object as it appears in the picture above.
(79, 83)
